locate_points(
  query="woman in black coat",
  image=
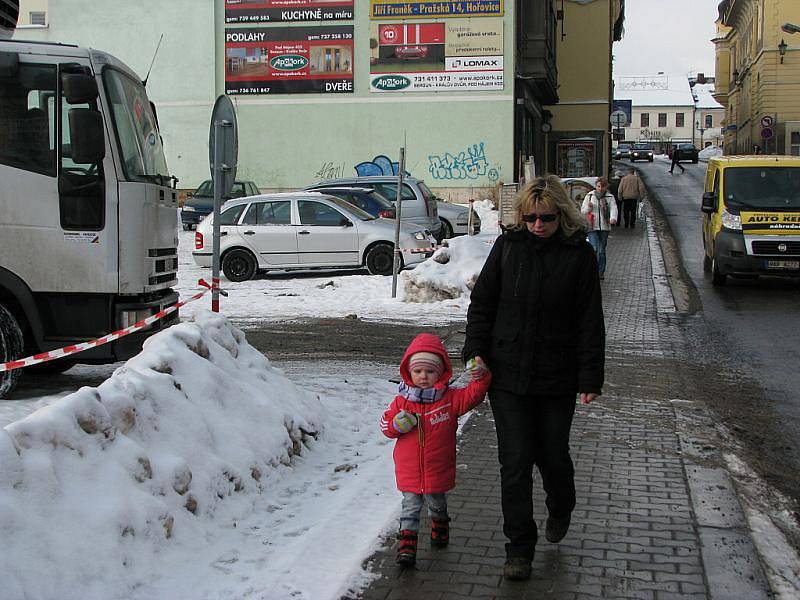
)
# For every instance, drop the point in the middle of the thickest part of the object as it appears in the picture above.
(536, 320)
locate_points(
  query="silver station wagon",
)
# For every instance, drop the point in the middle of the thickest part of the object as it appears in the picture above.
(305, 230)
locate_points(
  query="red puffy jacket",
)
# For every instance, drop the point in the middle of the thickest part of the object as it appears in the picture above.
(425, 457)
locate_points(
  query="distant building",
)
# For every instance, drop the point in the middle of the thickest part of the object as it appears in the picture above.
(663, 109)
(709, 115)
(758, 75)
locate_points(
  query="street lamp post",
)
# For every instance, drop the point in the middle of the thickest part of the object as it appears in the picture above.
(701, 130)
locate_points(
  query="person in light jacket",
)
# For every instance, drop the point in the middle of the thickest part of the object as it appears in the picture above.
(631, 192)
(600, 208)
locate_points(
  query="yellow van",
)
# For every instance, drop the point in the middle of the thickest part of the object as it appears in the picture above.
(751, 220)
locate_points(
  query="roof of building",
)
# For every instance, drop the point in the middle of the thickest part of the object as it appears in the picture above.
(654, 90)
(703, 92)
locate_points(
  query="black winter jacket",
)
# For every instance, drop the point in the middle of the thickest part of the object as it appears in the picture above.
(536, 315)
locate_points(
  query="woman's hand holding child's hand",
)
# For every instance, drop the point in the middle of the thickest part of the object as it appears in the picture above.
(477, 368)
(404, 422)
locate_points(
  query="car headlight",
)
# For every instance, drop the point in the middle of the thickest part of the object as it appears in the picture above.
(420, 235)
(731, 221)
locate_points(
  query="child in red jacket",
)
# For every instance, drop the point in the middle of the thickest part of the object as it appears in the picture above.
(423, 418)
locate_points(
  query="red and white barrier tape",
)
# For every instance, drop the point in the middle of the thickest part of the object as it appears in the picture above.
(75, 348)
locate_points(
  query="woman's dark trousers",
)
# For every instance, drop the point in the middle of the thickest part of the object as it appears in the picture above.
(532, 430)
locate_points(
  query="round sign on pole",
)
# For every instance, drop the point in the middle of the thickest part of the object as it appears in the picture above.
(767, 121)
(224, 118)
(767, 133)
(619, 118)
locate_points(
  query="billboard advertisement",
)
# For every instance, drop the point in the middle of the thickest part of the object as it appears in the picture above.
(289, 60)
(268, 11)
(457, 55)
(398, 9)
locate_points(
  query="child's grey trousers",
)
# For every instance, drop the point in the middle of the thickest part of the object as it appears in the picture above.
(412, 506)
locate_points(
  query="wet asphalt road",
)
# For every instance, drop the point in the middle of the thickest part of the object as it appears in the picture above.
(742, 338)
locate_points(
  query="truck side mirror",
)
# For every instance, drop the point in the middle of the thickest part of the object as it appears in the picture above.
(79, 88)
(709, 203)
(86, 136)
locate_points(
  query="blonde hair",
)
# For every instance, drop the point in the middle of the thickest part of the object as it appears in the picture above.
(549, 193)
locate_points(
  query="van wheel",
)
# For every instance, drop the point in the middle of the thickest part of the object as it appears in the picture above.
(447, 229)
(717, 277)
(379, 260)
(11, 347)
(239, 265)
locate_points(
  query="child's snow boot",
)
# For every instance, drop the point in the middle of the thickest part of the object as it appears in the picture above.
(440, 532)
(407, 548)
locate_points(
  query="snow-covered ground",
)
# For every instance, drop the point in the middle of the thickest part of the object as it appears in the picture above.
(200, 470)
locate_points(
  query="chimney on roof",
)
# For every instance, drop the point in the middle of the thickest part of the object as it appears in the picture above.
(701, 78)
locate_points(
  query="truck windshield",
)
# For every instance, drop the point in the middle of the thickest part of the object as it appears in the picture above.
(776, 188)
(137, 132)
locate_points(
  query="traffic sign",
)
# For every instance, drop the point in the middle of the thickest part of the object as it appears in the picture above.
(767, 121)
(619, 119)
(767, 133)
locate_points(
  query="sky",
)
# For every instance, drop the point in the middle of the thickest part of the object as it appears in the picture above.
(672, 36)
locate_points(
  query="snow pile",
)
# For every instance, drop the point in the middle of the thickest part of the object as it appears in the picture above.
(709, 152)
(490, 224)
(189, 430)
(450, 273)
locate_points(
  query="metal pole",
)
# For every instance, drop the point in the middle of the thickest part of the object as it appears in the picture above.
(219, 169)
(470, 218)
(398, 213)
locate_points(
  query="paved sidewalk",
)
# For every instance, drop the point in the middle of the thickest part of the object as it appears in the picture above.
(638, 530)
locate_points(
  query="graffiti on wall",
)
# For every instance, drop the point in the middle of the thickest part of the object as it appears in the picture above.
(380, 165)
(330, 170)
(468, 164)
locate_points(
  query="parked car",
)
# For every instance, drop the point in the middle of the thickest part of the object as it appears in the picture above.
(622, 151)
(685, 152)
(411, 52)
(366, 199)
(641, 152)
(305, 230)
(419, 205)
(201, 203)
(455, 219)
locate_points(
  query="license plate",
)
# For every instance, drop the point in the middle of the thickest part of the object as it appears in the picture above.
(783, 264)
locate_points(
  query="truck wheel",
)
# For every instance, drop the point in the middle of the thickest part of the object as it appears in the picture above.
(717, 277)
(11, 347)
(239, 265)
(447, 229)
(379, 260)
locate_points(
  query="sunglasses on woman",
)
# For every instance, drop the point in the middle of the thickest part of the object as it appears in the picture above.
(544, 218)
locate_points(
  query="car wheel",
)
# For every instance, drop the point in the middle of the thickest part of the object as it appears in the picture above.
(11, 347)
(239, 265)
(694, 161)
(379, 260)
(447, 229)
(706, 263)
(717, 277)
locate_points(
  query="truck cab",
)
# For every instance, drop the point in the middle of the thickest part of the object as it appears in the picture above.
(751, 217)
(88, 215)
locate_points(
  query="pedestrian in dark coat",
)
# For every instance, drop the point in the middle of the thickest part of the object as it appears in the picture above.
(675, 161)
(536, 320)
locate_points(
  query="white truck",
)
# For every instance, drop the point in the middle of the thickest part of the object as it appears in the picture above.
(88, 210)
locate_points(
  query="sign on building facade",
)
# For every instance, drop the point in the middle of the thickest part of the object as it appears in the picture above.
(289, 60)
(267, 11)
(398, 9)
(453, 55)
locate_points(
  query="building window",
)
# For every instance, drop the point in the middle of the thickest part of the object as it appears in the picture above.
(662, 119)
(794, 150)
(709, 121)
(645, 122)
(679, 120)
(38, 17)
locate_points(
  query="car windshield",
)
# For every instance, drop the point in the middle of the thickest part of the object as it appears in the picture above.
(239, 190)
(353, 210)
(686, 147)
(641, 147)
(775, 188)
(623, 147)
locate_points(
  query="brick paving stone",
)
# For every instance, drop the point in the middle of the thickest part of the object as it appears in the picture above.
(633, 533)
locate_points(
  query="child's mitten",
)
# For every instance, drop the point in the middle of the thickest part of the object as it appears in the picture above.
(476, 370)
(404, 422)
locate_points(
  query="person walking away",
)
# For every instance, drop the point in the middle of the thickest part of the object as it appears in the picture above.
(631, 192)
(423, 418)
(675, 161)
(600, 207)
(536, 320)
